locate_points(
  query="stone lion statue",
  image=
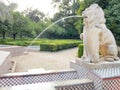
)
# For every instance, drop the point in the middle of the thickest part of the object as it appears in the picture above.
(97, 38)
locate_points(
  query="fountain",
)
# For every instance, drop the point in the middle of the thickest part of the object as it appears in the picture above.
(74, 16)
(90, 72)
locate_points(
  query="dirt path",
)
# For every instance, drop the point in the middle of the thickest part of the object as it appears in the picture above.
(46, 60)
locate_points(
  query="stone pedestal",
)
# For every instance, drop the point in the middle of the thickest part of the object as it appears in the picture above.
(105, 75)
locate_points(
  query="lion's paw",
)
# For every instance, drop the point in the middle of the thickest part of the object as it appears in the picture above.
(109, 59)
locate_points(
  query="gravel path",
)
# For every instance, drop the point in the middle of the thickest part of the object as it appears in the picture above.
(45, 60)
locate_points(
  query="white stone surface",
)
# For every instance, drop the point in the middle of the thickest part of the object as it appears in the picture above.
(14, 50)
(5, 62)
(3, 56)
(101, 64)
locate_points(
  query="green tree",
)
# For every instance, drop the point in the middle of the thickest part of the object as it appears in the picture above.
(67, 8)
(34, 15)
(5, 19)
(4, 12)
(112, 14)
(4, 28)
(30, 29)
(53, 32)
(12, 6)
(19, 25)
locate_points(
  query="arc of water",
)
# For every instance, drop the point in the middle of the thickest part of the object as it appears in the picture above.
(51, 26)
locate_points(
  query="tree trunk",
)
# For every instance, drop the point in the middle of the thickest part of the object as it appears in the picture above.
(21, 35)
(4, 35)
(14, 36)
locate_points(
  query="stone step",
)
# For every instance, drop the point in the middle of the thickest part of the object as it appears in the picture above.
(32, 77)
(37, 70)
(78, 84)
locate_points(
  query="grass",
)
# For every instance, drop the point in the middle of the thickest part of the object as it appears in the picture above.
(26, 42)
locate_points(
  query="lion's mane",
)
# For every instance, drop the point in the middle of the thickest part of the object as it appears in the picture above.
(94, 15)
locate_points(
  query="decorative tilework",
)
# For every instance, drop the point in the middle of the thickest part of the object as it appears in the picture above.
(89, 86)
(111, 84)
(104, 78)
(78, 84)
(13, 81)
(88, 74)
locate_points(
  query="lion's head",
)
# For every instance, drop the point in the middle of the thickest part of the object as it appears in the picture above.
(93, 15)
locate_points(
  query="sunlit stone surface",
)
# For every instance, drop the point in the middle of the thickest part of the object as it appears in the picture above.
(5, 62)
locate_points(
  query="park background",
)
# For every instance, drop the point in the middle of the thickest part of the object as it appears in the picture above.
(16, 25)
(21, 27)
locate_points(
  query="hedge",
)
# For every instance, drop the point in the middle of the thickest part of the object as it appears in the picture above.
(118, 43)
(56, 47)
(25, 42)
(80, 50)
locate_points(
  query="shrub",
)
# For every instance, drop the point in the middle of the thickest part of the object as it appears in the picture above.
(80, 50)
(56, 47)
(45, 44)
(118, 43)
(48, 47)
(19, 43)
